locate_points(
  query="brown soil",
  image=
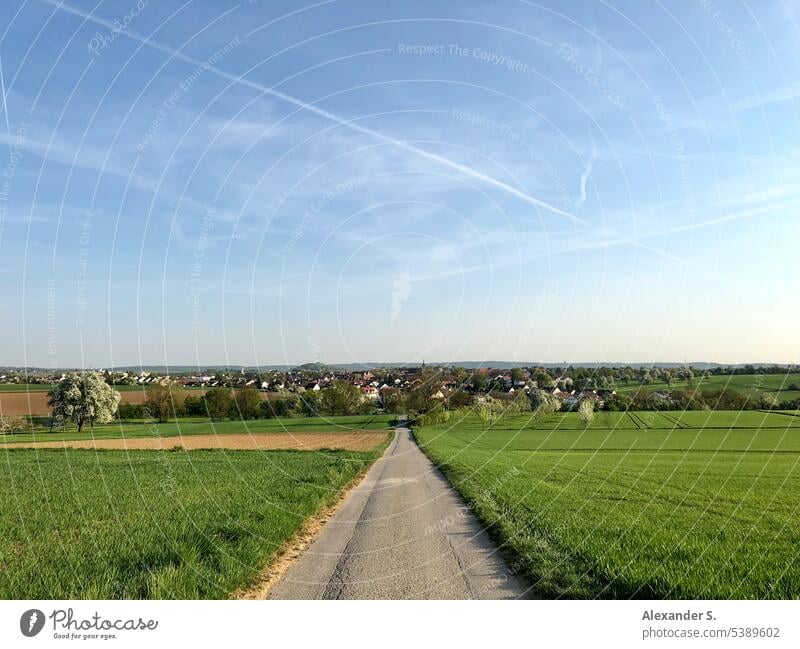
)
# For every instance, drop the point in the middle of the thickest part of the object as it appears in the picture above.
(23, 403)
(352, 441)
(35, 403)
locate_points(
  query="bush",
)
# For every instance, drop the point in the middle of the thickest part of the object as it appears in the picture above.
(308, 403)
(282, 407)
(725, 399)
(10, 425)
(194, 407)
(459, 399)
(768, 401)
(618, 402)
(219, 403)
(686, 400)
(246, 404)
(164, 400)
(131, 411)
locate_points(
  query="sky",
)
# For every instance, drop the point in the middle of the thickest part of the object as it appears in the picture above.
(198, 183)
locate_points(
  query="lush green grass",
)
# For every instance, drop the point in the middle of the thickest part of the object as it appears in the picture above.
(749, 384)
(155, 524)
(194, 427)
(640, 420)
(24, 387)
(661, 513)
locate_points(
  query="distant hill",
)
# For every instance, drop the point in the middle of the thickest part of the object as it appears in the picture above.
(355, 367)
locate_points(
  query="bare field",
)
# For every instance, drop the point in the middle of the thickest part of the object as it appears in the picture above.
(21, 403)
(35, 403)
(301, 441)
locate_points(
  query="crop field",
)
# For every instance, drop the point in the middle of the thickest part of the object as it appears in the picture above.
(361, 440)
(707, 509)
(25, 387)
(749, 384)
(34, 402)
(155, 524)
(638, 420)
(205, 427)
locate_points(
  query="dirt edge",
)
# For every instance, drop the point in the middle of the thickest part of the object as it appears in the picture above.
(294, 548)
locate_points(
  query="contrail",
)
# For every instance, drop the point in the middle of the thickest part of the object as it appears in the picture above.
(467, 171)
(5, 97)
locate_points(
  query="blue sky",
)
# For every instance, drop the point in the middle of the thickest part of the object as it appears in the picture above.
(281, 182)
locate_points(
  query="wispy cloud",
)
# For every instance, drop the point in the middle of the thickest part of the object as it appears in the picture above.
(587, 173)
(347, 123)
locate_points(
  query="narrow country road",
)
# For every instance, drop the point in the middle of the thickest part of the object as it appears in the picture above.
(403, 533)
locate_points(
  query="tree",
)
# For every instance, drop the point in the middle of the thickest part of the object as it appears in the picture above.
(309, 403)
(130, 411)
(11, 425)
(83, 397)
(458, 399)
(768, 401)
(219, 403)
(544, 403)
(194, 407)
(164, 400)
(422, 396)
(520, 402)
(479, 381)
(247, 403)
(341, 398)
(586, 411)
(277, 407)
(393, 401)
(543, 379)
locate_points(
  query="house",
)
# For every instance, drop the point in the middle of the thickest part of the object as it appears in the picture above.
(570, 401)
(369, 392)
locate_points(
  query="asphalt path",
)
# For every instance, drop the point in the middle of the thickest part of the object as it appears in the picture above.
(402, 533)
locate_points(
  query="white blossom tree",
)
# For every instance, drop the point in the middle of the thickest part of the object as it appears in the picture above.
(83, 397)
(586, 411)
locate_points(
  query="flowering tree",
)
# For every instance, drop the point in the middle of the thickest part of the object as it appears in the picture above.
(83, 397)
(586, 411)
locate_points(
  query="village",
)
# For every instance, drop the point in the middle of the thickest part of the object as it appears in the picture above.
(376, 385)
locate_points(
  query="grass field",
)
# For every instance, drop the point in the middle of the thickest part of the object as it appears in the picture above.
(643, 420)
(634, 512)
(749, 384)
(193, 427)
(155, 524)
(25, 387)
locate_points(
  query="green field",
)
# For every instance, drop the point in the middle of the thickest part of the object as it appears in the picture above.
(753, 385)
(25, 387)
(641, 420)
(636, 512)
(155, 524)
(193, 427)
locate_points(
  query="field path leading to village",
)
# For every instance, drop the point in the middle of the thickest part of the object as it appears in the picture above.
(403, 533)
